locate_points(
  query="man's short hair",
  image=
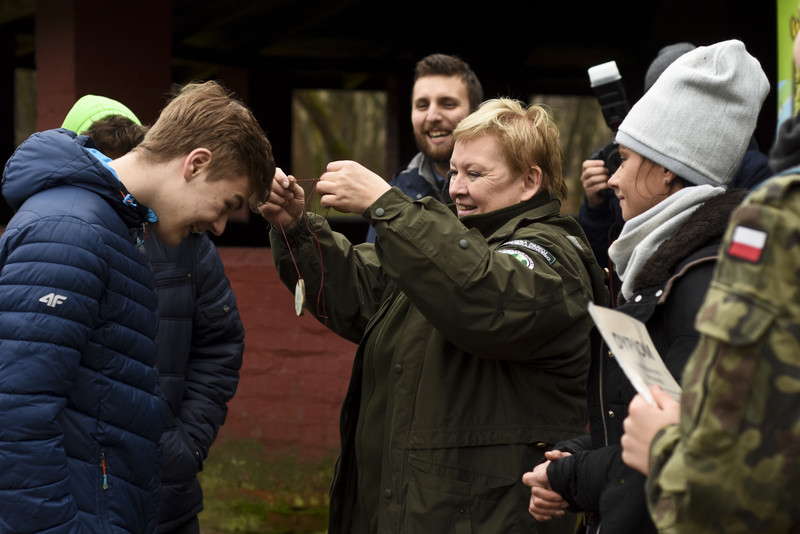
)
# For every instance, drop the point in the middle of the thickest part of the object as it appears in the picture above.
(115, 135)
(445, 65)
(206, 115)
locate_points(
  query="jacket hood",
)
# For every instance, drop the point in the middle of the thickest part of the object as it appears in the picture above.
(56, 158)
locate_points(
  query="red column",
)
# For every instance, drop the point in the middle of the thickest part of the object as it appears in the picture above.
(120, 49)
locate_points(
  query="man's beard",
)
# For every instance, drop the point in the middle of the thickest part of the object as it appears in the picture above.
(437, 153)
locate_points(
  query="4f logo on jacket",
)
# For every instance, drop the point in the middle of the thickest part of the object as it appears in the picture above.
(53, 300)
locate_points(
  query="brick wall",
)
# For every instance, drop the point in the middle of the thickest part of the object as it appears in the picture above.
(295, 371)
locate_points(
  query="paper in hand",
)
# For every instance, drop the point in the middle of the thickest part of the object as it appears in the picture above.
(634, 350)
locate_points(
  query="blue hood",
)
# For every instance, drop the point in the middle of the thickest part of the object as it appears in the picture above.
(56, 158)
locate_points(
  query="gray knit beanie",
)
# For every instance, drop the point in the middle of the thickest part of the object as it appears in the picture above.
(664, 59)
(698, 117)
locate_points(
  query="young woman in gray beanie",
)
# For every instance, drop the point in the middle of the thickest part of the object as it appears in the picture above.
(681, 143)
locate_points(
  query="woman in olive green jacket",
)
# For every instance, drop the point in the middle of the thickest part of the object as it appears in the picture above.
(472, 327)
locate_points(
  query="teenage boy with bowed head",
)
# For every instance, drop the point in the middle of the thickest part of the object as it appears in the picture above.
(81, 414)
(200, 332)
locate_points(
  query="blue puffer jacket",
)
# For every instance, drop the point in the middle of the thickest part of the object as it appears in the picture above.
(81, 414)
(200, 346)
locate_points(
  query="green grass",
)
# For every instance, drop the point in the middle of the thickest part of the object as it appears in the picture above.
(250, 490)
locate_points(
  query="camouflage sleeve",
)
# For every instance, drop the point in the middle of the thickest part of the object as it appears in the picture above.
(732, 464)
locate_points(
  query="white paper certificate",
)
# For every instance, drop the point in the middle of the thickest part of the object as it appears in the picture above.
(631, 344)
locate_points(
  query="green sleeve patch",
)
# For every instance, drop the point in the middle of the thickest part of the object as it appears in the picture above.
(530, 245)
(526, 260)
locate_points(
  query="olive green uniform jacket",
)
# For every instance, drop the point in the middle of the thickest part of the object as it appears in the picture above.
(472, 359)
(733, 463)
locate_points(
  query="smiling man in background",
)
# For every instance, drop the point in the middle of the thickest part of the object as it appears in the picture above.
(445, 91)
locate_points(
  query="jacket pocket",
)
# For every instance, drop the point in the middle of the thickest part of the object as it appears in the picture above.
(726, 366)
(450, 499)
(182, 459)
(172, 277)
(734, 318)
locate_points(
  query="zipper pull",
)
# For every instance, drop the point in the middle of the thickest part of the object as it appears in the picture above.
(103, 467)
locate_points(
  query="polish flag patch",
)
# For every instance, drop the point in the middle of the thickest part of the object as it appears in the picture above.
(747, 244)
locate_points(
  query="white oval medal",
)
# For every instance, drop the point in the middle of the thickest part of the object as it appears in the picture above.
(300, 297)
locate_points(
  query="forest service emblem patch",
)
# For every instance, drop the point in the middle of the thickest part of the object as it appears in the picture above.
(533, 247)
(521, 256)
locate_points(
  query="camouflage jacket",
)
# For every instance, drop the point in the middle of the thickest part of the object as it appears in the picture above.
(732, 463)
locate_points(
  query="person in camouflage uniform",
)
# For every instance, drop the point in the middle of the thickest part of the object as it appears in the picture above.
(726, 458)
(731, 463)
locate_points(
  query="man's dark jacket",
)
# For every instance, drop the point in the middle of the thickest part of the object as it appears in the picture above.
(201, 341)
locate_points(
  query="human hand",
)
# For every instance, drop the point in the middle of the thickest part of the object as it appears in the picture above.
(545, 503)
(594, 180)
(349, 187)
(643, 423)
(286, 203)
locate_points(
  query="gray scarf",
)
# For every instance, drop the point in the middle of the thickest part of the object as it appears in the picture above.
(641, 236)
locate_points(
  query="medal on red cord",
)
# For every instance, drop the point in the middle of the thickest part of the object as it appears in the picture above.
(300, 297)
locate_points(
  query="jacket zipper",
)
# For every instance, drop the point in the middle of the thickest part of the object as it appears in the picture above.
(103, 468)
(601, 357)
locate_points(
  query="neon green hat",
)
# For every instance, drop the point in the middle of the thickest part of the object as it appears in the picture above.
(90, 108)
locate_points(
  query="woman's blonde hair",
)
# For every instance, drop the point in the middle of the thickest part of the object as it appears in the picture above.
(528, 137)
